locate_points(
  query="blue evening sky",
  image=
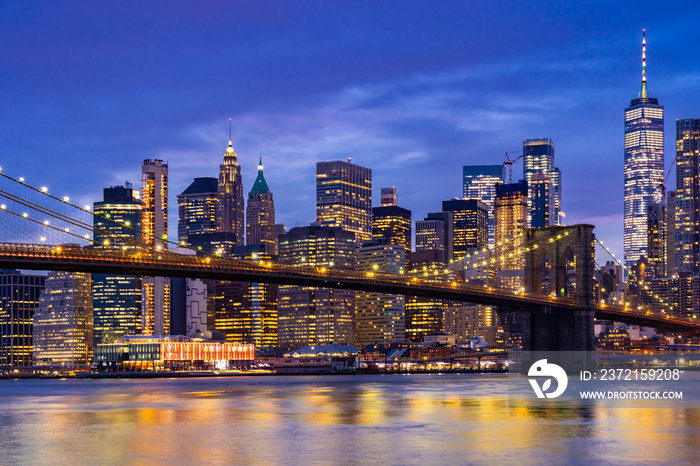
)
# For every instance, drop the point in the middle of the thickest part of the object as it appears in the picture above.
(411, 89)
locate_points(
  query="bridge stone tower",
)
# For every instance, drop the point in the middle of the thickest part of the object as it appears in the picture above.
(549, 328)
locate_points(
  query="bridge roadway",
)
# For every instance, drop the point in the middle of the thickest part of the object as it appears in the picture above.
(167, 264)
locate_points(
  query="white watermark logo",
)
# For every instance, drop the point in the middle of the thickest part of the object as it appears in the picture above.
(542, 368)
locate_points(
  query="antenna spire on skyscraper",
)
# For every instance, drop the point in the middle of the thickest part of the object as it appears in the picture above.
(644, 64)
(230, 139)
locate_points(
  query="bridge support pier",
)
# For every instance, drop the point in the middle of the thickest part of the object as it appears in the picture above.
(551, 330)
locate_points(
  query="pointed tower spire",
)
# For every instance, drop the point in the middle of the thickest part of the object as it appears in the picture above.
(644, 64)
(230, 155)
(259, 185)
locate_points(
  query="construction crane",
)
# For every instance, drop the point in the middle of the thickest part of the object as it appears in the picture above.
(510, 163)
(663, 185)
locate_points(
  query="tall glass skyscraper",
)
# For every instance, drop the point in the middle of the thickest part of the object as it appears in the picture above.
(155, 300)
(479, 182)
(196, 208)
(543, 182)
(344, 197)
(687, 213)
(644, 166)
(116, 298)
(19, 296)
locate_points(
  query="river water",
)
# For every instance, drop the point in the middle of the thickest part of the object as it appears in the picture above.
(355, 419)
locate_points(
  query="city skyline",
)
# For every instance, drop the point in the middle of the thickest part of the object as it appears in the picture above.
(301, 92)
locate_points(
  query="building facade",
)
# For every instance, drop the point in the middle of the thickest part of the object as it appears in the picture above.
(479, 182)
(230, 210)
(543, 181)
(435, 233)
(656, 239)
(155, 291)
(19, 296)
(196, 208)
(116, 298)
(392, 224)
(470, 225)
(687, 212)
(344, 197)
(63, 320)
(644, 167)
(379, 317)
(316, 316)
(260, 215)
(244, 312)
(510, 213)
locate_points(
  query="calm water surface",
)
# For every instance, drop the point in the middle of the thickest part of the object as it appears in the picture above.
(378, 419)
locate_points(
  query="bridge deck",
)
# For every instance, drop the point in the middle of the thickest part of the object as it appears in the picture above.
(163, 263)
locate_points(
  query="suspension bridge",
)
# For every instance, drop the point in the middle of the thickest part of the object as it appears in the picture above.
(41, 231)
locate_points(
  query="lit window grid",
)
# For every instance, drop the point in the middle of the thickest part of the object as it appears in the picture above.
(643, 174)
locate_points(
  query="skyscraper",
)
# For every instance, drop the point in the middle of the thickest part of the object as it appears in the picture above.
(19, 296)
(511, 218)
(541, 205)
(479, 182)
(63, 320)
(196, 208)
(644, 166)
(316, 316)
(344, 197)
(538, 161)
(656, 239)
(391, 222)
(230, 214)
(244, 312)
(687, 224)
(260, 215)
(470, 227)
(116, 298)
(434, 233)
(155, 298)
(379, 317)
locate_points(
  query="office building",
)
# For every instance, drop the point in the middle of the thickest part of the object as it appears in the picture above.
(379, 317)
(244, 312)
(644, 166)
(155, 296)
(117, 298)
(656, 239)
(19, 296)
(479, 182)
(510, 212)
(344, 197)
(435, 233)
(543, 181)
(63, 320)
(316, 316)
(196, 208)
(424, 316)
(541, 207)
(470, 225)
(391, 222)
(687, 221)
(670, 233)
(230, 216)
(260, 215)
